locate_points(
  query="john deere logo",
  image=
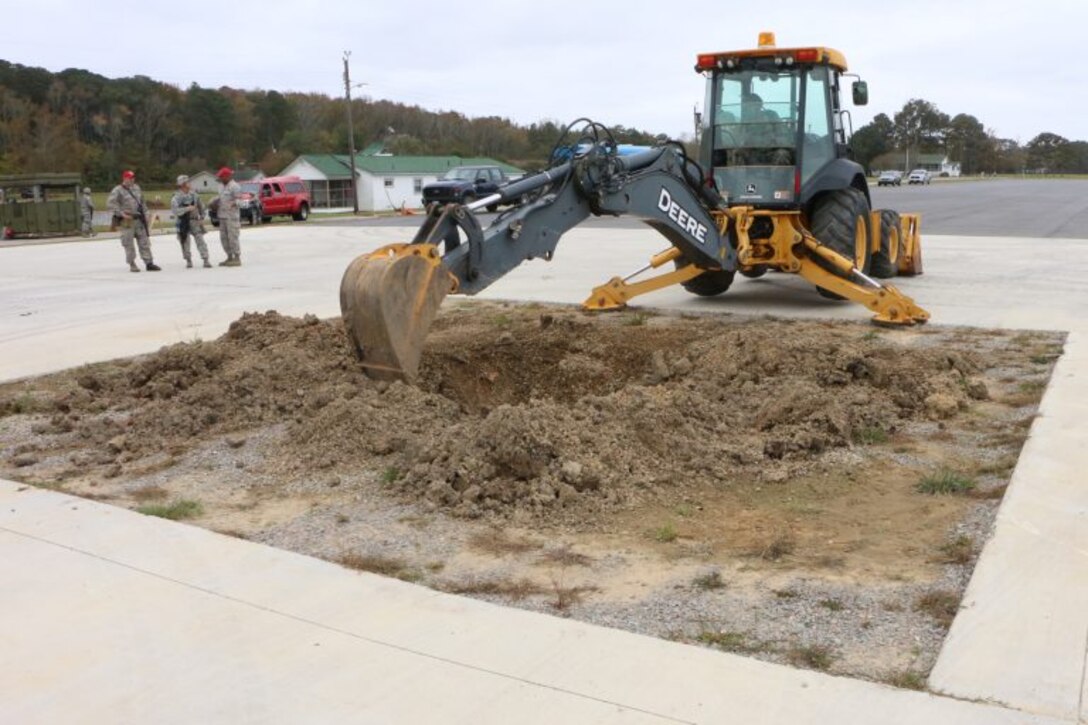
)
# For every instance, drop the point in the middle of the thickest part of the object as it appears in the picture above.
(750, 189)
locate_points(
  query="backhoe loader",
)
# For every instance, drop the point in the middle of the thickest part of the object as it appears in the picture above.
(773, 189)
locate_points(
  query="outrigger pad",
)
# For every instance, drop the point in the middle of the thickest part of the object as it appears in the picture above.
(388, 304)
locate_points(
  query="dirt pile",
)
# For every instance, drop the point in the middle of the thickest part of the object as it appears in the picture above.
(522, 409)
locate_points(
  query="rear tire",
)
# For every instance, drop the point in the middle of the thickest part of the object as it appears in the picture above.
(841, 222)
(709, 284)
(755, 272)
(303, 214)
(884, 264)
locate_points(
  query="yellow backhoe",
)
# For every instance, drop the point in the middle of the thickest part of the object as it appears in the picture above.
(773, 189)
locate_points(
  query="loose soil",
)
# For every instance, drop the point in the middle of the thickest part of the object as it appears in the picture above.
(747, 484)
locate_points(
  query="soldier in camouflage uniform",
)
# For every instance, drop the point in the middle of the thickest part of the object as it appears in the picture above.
(189, 213)
(86, 207)
(230, 218)
(126, 205)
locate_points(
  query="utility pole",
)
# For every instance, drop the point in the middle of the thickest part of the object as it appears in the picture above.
(351, 132)
(698, 118)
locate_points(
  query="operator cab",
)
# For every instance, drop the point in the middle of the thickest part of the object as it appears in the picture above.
(773, 123)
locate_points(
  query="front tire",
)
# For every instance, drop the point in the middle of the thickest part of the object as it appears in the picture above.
(841, 222)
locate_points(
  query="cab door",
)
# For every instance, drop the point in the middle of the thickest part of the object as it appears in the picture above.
(276, 202)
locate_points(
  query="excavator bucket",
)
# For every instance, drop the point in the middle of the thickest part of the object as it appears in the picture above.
(389, 299)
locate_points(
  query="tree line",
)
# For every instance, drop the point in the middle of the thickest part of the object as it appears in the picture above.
(920, 127)
(76, 120)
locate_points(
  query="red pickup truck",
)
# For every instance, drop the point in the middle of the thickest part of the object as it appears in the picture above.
(284, 196)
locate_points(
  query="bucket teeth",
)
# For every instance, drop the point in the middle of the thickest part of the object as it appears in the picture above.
(388, 300)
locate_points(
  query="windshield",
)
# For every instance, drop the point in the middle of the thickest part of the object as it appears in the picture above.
(755, 119)
(459, 173)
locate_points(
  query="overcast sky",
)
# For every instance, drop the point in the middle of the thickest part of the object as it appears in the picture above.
(1018, 67)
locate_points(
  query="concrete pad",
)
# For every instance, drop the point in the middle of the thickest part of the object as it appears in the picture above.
(1022, 635)
(138, 619)
(83, 583)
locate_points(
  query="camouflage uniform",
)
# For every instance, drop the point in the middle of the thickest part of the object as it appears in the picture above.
(190, 223)
(230, 222)
(130, 200)
(86, 207)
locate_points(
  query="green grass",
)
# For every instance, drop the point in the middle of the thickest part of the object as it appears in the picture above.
(176, 511)
(945, 482)
(831, 605)
(814, 656)
(729, 641)
(710, 580)
(906, 679)
(391, 475)
(958, 551)
(870, 436)
(942, 605)
(665, 533)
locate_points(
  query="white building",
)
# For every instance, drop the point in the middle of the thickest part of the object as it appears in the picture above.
(384, 183)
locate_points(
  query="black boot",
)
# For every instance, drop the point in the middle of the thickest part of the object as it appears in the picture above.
(152, 267)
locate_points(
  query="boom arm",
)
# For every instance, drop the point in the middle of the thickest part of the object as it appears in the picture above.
(656, 185)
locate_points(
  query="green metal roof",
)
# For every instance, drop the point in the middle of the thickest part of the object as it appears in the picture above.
(337, 166)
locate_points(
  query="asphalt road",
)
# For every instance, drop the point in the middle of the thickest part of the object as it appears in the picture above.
(986, 208)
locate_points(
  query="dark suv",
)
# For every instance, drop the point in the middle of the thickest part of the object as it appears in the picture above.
(464, 185)
(249, 206)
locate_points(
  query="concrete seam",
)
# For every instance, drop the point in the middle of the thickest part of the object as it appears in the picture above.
(326, 627)
(1082, 716)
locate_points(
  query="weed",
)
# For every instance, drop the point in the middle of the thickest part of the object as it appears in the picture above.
(565, 597)
(391, 475)
(685, 510)
(729, 641)
(831, 605)
(710, 580)
(829, 561)
(1031, 386)
(941, 604)
(1000, 467)
(22, 404)
(515, 589)
(813, 656)
(182, 509)
(565, 556)
(870, 436)
(777, 548)
(1042, 359)
(906, 679)
(149, 493)
(786, 593)
(635, 320)
(342, 519)
(497, 542)
(945, 482)
(665, 533)
(958, 551)
(235, 533)
(502, 320)
(378, 564)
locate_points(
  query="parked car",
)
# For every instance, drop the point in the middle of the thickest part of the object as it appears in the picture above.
(464, 185)
(285, 196)
(918, 176)
(890, 178)
(249, 206)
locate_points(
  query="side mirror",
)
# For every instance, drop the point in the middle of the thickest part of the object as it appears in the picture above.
(861, 93)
